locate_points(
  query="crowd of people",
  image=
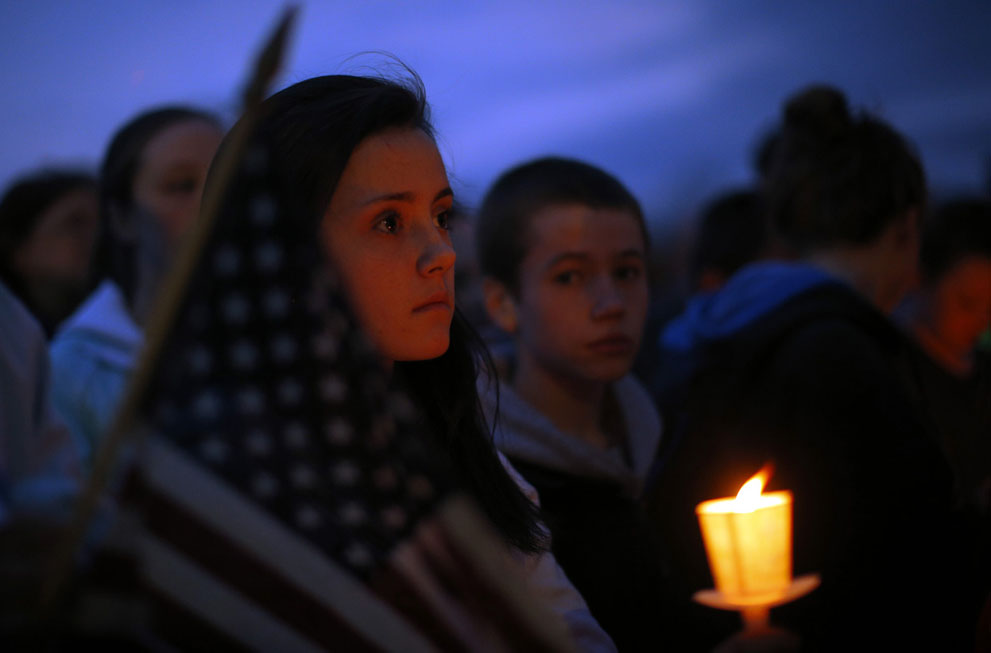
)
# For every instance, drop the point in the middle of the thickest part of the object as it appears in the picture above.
(836, 325)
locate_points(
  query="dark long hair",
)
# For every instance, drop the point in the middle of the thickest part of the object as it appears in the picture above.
(310, 130)
(837, 177)
(122, 160)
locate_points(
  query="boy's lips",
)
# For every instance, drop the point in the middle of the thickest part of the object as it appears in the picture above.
(612, 344)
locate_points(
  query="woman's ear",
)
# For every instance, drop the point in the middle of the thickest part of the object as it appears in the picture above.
(500, 304)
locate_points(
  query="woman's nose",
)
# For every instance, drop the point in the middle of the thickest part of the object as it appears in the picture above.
(437, 256)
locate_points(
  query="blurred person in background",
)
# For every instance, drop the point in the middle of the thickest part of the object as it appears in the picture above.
(150, 186)
(48, 226)
(39, 464)
(732, 232)
(946, 316)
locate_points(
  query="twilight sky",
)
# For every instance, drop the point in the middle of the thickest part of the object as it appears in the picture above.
(671, 96)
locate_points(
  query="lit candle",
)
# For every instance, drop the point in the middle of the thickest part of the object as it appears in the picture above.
(748, 542)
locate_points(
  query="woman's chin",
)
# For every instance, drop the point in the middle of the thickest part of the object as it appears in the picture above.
(425, 350)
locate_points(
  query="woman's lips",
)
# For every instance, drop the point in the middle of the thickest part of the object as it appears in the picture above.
(437, 301)
(612, 345)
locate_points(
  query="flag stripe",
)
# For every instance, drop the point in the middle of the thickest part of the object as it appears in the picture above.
(251, 577)
(435, 612)
(185, 630)
(462, 555)
(180, 579)
(401, 593)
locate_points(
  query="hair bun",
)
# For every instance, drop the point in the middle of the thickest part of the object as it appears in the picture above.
(820, 112)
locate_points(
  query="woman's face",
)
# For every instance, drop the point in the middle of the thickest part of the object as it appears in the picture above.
(169, 181)
(386, 232)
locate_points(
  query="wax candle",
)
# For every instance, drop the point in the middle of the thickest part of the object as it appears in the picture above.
(748, 543)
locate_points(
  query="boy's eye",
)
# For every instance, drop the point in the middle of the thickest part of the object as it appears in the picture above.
(567, 277)
(628, 272)
(388, 223)
(443, 220)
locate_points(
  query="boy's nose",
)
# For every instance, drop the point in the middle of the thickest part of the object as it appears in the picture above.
(607, 301)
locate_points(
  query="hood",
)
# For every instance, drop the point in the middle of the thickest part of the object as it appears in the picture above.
(523, 433)
(749, 294)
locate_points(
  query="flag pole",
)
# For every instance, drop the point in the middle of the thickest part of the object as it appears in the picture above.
(167, 304)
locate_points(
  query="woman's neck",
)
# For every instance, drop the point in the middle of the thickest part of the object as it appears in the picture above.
(572, 405)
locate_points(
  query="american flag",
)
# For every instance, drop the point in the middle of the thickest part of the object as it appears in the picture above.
(285, 498)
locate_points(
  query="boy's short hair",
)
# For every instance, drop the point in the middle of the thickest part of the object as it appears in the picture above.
(957, 230)
(521, 192)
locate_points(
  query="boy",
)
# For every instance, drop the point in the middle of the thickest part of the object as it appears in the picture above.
(562, 248)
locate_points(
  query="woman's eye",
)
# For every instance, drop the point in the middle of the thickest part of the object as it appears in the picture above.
(567, 277)
(443, 220)
(388, 223)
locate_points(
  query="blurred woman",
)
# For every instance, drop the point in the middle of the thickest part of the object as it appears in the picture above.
(151, 181)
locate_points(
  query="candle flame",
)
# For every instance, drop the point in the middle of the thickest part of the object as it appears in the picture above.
(749, 495)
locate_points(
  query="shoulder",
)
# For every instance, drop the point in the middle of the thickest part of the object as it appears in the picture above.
(643, 422)
(528, 490)
(829, 331)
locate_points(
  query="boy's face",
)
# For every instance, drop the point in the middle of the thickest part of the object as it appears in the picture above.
(582, 297)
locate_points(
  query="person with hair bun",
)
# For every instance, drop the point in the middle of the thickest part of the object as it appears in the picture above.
(797, 363)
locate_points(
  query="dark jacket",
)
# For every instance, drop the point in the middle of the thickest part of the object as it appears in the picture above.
(589, 499)
(798, 370)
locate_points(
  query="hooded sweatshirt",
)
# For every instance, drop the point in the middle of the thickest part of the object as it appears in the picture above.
(589, 499)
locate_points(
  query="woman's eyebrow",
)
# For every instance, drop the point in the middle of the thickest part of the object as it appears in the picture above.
(405, 196)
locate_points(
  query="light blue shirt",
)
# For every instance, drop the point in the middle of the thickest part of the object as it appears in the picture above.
(93, 356)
